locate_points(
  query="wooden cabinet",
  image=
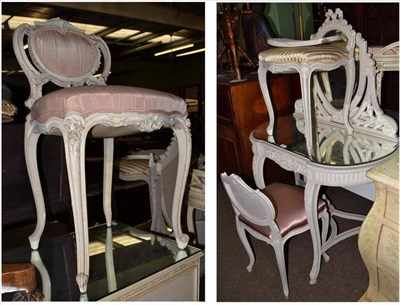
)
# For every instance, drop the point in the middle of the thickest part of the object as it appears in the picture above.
(241, 108)
(379, 235)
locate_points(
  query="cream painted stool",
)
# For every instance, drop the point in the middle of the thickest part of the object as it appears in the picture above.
(320, 54)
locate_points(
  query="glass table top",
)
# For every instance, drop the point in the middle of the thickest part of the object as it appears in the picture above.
(119, 256)
(332, 144)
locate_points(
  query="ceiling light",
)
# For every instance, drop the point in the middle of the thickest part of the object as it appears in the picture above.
(122, 33)
(191, 52)
(166, 38)
(89, 28)
(15, 21)
(174, 49)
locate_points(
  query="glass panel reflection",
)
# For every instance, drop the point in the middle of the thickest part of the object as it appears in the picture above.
(119, 256)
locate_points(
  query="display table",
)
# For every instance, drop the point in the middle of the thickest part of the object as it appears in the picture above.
(379, 235)
(126, 264)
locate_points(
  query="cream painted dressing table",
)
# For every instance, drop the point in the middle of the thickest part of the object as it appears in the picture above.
(340, 159)
(329, 140)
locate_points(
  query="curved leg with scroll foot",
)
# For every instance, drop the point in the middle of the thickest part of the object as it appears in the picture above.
(31, 140)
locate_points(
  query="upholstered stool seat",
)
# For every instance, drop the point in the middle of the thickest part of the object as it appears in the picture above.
(87, 100)
(326, 53)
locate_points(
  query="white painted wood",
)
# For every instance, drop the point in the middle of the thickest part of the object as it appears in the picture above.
(196, 197)
(317, 174)
(334, 22)
(257, 208)
(44, 275)
(285, 42)
(74, 128)
(179, 282)
(107, 178)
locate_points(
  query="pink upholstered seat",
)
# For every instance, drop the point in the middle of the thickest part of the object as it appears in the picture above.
(288, 201)
(87, 100)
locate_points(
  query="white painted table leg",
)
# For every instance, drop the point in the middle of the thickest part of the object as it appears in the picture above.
(310, 201)
(31, 140)
(262, 78)
(107, 178)
(258, 167)
(184, 140)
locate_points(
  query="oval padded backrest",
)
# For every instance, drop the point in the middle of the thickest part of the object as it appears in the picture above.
(65, 53)
(60, 53)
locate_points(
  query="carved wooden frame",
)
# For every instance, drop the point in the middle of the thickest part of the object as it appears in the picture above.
(244, 198)
(317, 174)
(74, 128)
(334, 22)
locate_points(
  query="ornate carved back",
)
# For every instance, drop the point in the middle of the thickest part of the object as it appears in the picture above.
(57, 51)
(251, 204)
(335, 22)
(365, 115)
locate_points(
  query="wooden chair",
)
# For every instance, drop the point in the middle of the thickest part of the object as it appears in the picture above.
(273, 215)
(55, 51)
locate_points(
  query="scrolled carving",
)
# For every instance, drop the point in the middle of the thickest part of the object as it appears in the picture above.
(287, 162)
(154, 122)
(74, 126)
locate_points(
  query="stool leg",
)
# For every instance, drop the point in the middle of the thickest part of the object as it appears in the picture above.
(30, 147)
(262, 78)
(74, 142)
(184, 140)
(107, 178)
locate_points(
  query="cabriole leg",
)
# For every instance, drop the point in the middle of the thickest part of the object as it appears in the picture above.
(310, 201)
(74, 142)
(107, 178)
(184, 140)
(262, 78)
(31, 140)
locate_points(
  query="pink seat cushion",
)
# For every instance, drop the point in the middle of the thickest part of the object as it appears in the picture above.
(288, 201)
(88, 100)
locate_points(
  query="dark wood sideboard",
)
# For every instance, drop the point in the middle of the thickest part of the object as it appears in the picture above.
(241, 108)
